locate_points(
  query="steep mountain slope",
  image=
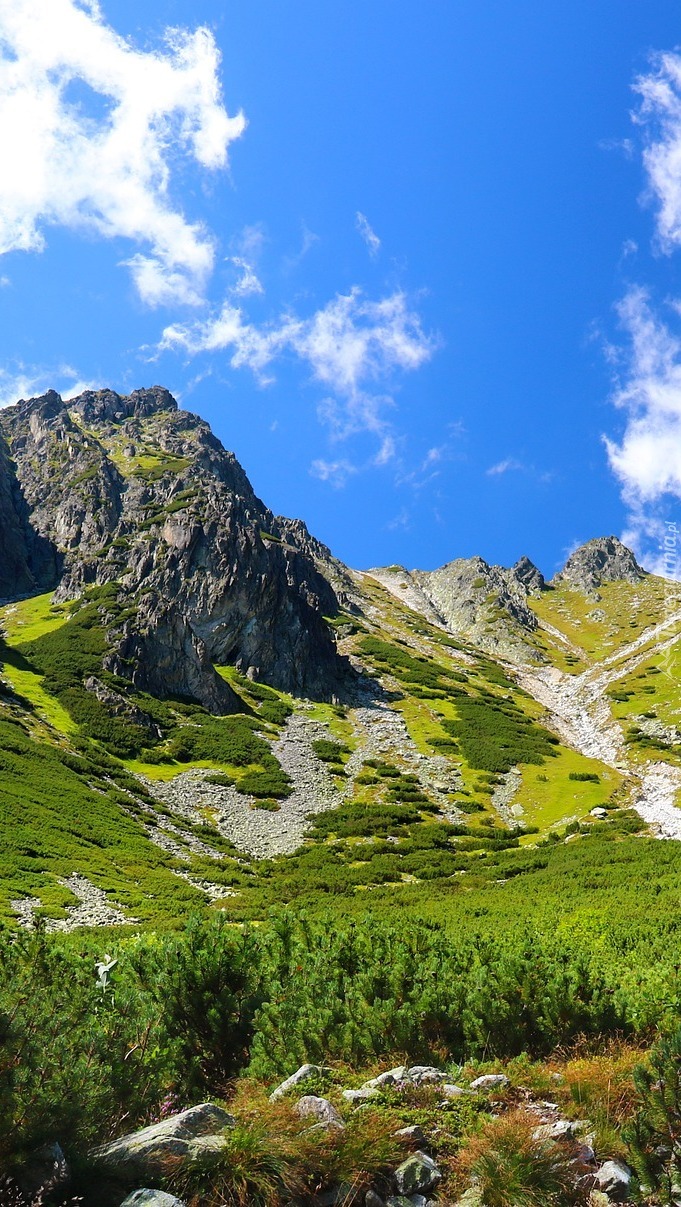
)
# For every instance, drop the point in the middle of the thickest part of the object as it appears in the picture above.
(257, 723)
(131, 490)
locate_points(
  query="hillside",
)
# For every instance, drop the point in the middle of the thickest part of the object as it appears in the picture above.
(437, 795)
(226, 715)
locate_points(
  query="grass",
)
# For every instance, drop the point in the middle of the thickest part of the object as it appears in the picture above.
(29, 619)
(627, 609)
(555, 798)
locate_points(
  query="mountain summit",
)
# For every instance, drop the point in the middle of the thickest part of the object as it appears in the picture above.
(131, 490)
(602, 560)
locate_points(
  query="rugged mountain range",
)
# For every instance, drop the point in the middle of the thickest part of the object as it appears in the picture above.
(134, 491)
(190, 682)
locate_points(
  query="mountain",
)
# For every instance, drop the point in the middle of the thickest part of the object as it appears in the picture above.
(132, 490)
(200, 704)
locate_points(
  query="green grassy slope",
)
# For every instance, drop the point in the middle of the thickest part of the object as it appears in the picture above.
(79, 779)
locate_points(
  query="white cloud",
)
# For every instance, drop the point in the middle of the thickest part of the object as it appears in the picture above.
(503, 467)
(30, 381)
(647, 460)
(368, 234)
(334, 472)
(248, 281)
(351, 345)
(660, 114)
(247, 249)
(309, 240)
(5, 282)
(106, 167)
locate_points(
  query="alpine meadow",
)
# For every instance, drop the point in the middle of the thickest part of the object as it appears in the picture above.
(327, 886)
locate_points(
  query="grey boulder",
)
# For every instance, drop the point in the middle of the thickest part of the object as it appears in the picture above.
(304, 1073)
(614, 1179)
(425, 1074)
(144, 1154)
(320, 1110)
(357, 1096)
(418, 1173)
(151, 1198)
(490, 1081)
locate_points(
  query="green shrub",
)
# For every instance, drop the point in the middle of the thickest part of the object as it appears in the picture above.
(494, 736)
(328, 751)
(273, 782)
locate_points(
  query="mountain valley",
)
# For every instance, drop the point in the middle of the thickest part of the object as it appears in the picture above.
(228, 716)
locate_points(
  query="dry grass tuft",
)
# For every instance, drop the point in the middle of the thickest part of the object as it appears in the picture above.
(513, 1169)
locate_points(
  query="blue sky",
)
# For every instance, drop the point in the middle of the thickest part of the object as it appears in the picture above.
(418, 265)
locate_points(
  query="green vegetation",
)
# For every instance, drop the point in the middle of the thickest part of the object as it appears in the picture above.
(494, 735)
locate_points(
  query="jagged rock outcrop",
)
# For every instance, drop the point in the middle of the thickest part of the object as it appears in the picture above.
(130, 489)
(527, 573)
(603, 560)
(486, 604)
(28, 563)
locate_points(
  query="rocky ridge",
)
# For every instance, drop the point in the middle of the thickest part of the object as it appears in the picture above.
(132, 490)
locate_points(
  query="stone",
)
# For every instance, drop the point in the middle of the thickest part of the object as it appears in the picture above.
(491, 1081)
(304, 1073)
(319, 1109)
(371, 1199)
(411, 1135)
(388, 1078)
(44, 1170)
(614, 1179)
(418, 1173)
(397, 1200)
(151, 1198)
(326, 1125)
(144, 1154)
(472, 1198)
(206, 1148)
(599, 813)
(356, 1096)
(603, 560)
(418, 1200)
(562, 1129)
(424, 1074)
(451, 1091)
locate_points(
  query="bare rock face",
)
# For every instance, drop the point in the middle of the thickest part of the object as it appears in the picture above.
(129, 489)
(603, 560)
(486, 604)
(527, 573)
(28, 563)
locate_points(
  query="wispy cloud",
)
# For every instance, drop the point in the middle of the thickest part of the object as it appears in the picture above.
(336, 473)
(660, 116)
(107, 168)
(368, 234)
(647, 459)
(28, 381)
(503, 467)
(309, 240)
(351, 346)
(247, 249)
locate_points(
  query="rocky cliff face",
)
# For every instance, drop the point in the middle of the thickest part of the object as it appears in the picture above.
(488, 605)
(603, 560)
(28, 563)
(130, 489)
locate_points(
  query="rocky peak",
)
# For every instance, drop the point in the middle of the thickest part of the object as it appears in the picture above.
(131, 490)
(602, 560)
(527, 573)
(106, 406)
